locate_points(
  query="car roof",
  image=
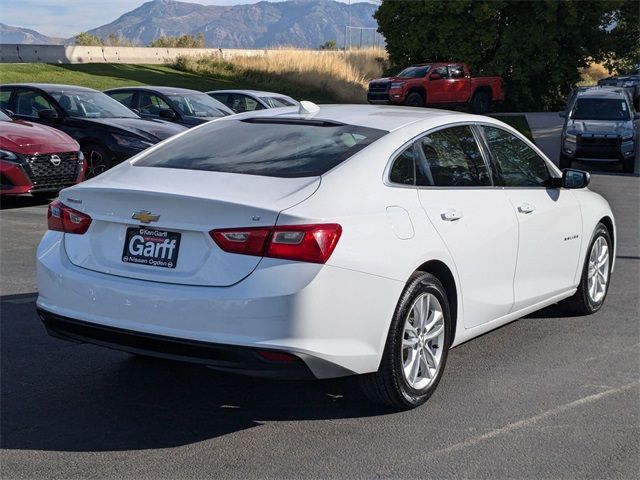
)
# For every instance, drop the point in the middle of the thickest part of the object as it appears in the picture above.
(259, 93)
(602, 91)
(49, 86)
(382, 117)
(161, 89)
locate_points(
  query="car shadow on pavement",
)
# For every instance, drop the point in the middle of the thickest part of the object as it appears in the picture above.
(9, 202)
(63, 396)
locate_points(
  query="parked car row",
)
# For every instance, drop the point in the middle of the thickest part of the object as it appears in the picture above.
(53, 136)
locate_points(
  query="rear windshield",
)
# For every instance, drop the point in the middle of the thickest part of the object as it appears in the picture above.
(600, 109)
(270, 147)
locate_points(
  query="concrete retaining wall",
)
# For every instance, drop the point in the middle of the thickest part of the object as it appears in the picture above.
(15, 53)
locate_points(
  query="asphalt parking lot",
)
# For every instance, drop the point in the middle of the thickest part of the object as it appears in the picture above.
(548, 396)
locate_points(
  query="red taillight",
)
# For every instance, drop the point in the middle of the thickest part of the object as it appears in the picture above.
(65, 219)
(304, 243)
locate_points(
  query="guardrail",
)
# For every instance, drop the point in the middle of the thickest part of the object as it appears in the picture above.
(18, 53)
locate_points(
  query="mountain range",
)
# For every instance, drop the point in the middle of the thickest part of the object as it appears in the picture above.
(298, 23)
(10, 34)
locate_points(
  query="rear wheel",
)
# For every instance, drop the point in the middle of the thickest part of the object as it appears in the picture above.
(417, 346)
(565, 161)
(414, 100)
(97, 158)
(480, 103)
(594, 282)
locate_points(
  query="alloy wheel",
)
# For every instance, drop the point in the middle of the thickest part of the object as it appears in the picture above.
(598, 270)
(423, 341)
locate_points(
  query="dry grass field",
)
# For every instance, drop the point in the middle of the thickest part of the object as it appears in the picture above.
(334, 75)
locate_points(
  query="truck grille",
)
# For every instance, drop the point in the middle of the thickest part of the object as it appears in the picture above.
(599, 146)
(378, 92)
(46, 175)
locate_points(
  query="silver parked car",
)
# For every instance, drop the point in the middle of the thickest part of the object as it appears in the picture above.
(249, 100)
(599, 126)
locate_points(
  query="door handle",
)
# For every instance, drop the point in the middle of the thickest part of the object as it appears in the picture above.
(451, 215)
(526, 208)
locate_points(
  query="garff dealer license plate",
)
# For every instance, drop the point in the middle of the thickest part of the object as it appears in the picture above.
(147, 246)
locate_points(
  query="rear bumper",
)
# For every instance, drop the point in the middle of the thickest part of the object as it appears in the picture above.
(220, 357)
(334, 319)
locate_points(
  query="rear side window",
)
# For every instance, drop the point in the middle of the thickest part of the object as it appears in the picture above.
(273, 147)
(518, 164)
(453, 159)
(403, 168)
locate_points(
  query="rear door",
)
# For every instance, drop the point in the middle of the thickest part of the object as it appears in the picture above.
(549, 219)
(456, 87)
(474, 219)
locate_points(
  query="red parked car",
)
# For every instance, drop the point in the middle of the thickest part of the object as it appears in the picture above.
(437, 84)
(37, 159)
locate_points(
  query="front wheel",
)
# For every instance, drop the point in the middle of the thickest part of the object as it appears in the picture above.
(417, 346)
(414, 100)
(97, 158)
(596, 272)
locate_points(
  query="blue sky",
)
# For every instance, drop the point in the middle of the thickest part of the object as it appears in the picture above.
(64, 18)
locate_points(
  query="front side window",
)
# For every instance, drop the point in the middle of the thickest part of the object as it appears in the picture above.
(273, 147)
(518, 164)
(124, 98)
(442, 71)
(30, 103)
(150, 104)
(453, 159)
(244, 103)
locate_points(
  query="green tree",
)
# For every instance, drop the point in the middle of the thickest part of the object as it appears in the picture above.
(537, 46)
(183, 41)
(329, 45)
(86, 39)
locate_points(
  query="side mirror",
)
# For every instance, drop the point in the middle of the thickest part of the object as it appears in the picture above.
(167, 114)
(9, 113)
(575, 178)
(562, 114)
(435, 76)
(48, 114)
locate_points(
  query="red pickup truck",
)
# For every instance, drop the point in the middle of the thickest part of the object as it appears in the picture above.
(437, 84)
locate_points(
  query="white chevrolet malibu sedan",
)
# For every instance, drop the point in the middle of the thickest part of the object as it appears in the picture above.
(324, 242)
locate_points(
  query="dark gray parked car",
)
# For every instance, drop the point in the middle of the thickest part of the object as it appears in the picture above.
(179, 105)
(599, 126)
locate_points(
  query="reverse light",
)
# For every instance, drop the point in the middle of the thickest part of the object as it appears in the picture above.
(303, 243)
(61, 218)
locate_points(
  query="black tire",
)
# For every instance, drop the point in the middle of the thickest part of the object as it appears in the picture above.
(414, 100)
(98, 159)
(581, 302)
(480, 103)
(388, 385)
(565, 161)
(628, 165)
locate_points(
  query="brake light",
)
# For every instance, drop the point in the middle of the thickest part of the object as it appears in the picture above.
(61, 218)
(304, 243)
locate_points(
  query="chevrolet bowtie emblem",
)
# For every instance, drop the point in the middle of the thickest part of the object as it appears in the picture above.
(145, 216)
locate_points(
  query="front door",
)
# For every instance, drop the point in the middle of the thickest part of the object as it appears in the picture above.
(549, 219)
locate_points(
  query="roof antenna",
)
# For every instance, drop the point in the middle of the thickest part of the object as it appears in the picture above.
(308, 107)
